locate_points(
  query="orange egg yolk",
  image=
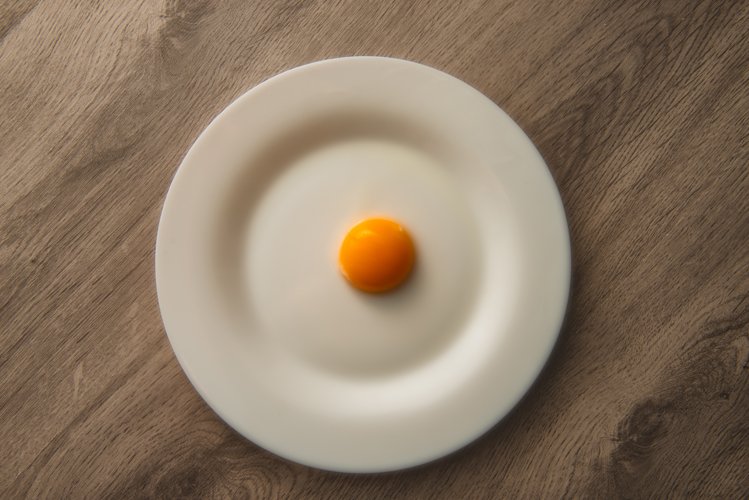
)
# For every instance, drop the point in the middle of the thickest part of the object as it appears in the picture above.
(377, 255)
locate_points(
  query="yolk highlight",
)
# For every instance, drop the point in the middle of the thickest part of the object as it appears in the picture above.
(376, 255)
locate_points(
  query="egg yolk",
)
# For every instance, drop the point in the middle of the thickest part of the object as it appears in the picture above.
(377, 255)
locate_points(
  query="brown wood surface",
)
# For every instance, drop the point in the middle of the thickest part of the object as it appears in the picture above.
(641, 110)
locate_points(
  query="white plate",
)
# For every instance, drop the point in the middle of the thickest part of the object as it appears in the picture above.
(275, 340)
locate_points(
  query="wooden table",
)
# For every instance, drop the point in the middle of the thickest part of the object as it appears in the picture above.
(641, 110)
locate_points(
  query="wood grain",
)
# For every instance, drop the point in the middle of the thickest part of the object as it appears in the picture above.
(641, 110)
